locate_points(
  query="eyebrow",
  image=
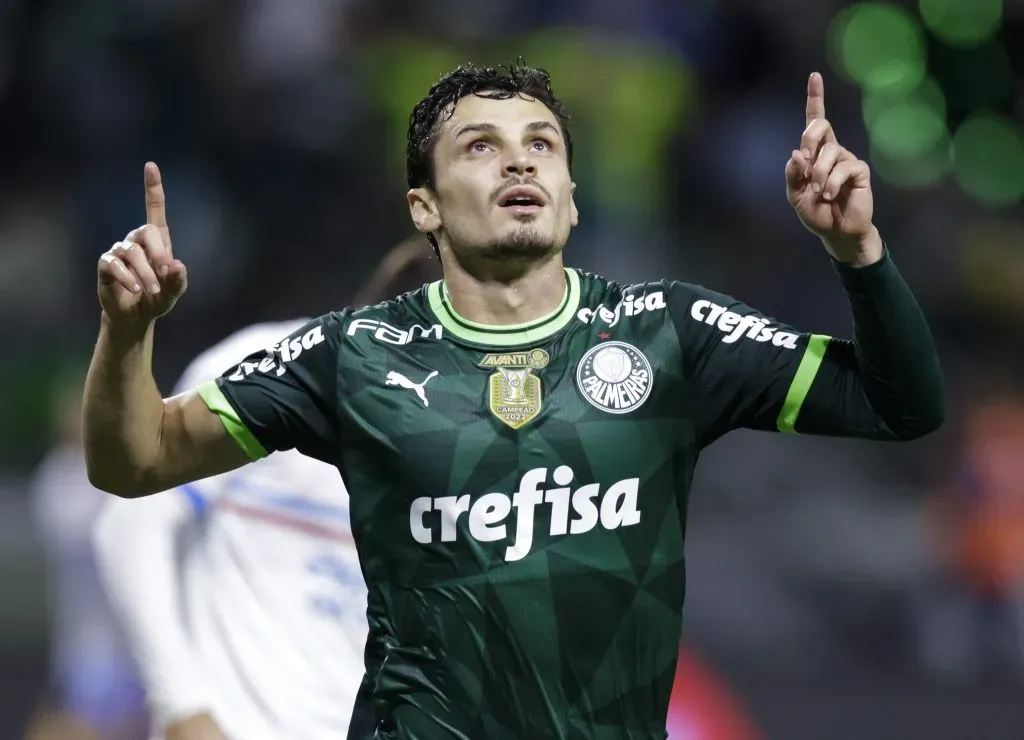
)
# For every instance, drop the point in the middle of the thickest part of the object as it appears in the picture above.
(490, 128)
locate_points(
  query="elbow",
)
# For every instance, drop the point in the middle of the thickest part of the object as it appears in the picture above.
(918, 429)
(921, 424)
(106, 478)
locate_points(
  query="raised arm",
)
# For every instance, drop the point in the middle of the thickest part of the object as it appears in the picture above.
(750, 371)
(136, 442)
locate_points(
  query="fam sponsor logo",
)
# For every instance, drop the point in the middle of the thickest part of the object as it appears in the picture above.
(741, 326)
(275, 359)
(384, 332)
(486, 518)
(630, 305)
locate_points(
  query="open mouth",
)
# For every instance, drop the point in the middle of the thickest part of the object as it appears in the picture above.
(522, 200)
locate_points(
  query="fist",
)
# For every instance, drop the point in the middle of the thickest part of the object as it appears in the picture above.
(197, 727)
(139, 279)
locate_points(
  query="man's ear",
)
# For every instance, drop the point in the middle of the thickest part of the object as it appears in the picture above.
(423, 209)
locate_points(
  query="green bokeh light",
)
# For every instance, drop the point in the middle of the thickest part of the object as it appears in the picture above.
(906, 123)
(962, 22)
(907, 129)
(877, 46)
(988, 159)
(914, 172)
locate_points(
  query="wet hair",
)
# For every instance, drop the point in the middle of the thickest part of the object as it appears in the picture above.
(496, 83)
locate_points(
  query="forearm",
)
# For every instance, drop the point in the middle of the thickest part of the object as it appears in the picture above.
(135, 545)
(122, 410)
(887, 383)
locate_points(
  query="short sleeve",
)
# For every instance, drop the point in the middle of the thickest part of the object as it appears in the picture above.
(285, 396)
(746, 369)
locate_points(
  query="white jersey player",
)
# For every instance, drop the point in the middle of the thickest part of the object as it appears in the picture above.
(241, 595)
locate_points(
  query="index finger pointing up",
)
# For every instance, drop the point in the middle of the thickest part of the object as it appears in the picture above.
(815, 98)
(156, 208)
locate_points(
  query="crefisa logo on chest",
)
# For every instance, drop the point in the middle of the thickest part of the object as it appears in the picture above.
(615, 377)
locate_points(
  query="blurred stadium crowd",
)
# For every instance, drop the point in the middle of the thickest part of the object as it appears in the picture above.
(832, 583)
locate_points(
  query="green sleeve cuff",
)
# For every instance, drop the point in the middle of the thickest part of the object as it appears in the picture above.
(219, 404)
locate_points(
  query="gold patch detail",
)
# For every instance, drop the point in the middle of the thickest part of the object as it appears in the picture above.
(514, 393)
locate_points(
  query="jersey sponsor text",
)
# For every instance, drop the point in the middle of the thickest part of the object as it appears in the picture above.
(630, 305)
(572, 511)
(735, 326)
(384, 332)
(279, 355)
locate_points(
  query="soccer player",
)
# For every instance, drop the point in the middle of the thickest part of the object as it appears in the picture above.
(241, 594)
(518, 438)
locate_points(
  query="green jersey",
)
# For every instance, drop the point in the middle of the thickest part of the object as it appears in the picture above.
(519, 493)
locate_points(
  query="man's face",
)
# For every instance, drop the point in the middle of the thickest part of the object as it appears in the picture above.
(502, 186)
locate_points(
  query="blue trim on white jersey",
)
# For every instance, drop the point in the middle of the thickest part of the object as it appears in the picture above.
(195, 498)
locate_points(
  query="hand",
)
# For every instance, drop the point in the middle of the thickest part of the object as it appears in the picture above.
(830, 188)
(139, 279)
(197, 727)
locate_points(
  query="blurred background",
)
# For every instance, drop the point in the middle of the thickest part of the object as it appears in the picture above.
(837, 589)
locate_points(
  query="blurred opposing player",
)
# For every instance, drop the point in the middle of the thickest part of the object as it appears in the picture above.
(242, 594)
(95, 693)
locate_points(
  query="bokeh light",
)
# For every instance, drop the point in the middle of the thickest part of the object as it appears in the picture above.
(962, 22)
(906, 123)
(913, 172)
(988, 159)
(877, 46)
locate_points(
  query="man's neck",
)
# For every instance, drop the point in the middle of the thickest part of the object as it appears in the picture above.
(509, 297)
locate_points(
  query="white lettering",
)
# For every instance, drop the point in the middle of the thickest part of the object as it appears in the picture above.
(741, 326)
(420, 532)
(619, 507)
(630, 305)
(451, 509)
(384, 332)
(571, 512)
(275, 359)
(487, 515)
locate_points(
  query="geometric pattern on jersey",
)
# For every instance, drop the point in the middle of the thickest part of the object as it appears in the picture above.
(526, 574)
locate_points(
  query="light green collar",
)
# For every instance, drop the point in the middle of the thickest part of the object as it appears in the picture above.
(506, 335)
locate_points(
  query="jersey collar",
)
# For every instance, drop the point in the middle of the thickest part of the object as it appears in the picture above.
(507, 335)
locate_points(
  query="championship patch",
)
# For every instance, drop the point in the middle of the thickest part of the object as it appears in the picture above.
(615, 377)
(514, 393)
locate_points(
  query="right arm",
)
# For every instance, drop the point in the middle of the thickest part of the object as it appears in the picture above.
(136, 442)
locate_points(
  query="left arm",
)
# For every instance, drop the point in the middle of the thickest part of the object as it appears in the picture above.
(885, 384)
(750, 371)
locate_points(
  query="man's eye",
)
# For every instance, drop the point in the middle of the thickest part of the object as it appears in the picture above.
(541, 145)
(479, 146)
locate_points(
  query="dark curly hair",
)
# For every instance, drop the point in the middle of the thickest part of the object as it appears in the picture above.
(497, 83)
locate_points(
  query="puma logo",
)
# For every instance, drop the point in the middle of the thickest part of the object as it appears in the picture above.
(397, 379)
